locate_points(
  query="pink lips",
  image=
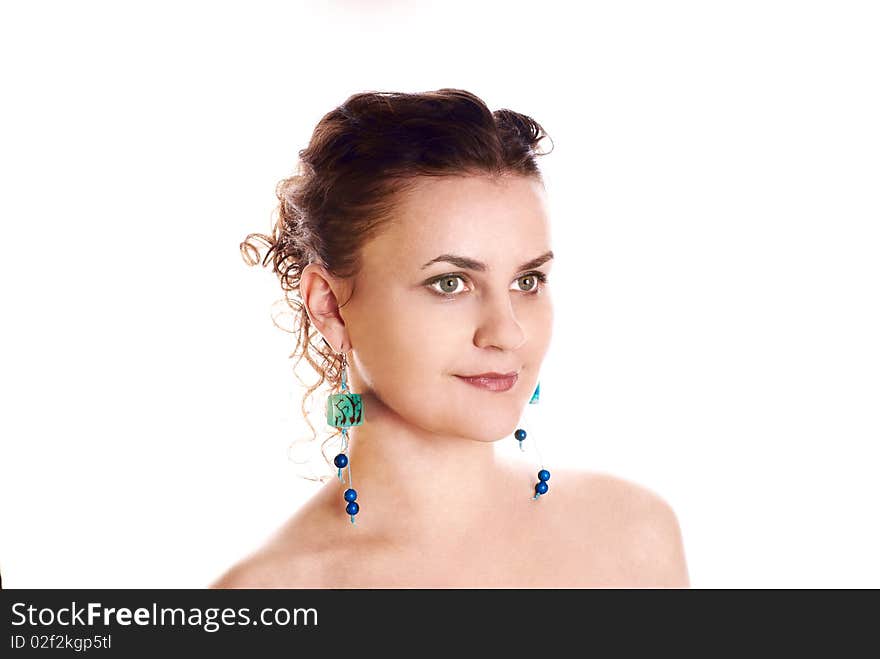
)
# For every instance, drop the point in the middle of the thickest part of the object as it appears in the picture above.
(491, 381)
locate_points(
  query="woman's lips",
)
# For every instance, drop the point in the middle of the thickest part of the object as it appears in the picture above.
(502, 383)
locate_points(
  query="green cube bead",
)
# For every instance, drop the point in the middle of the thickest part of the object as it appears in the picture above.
(344, 410)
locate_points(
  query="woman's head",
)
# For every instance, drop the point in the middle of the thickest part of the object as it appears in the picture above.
(390, 185)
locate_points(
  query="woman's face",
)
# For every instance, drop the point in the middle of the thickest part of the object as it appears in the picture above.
(415, 322)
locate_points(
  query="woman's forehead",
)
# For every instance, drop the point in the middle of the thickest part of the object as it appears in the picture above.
(479, 259)
(475, 217)
(461, 197)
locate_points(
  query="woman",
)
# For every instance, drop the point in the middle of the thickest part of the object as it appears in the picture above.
(415, 241)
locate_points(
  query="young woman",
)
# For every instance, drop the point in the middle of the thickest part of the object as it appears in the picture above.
(415, 242)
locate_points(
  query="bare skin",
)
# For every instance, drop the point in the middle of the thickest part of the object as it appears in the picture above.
(594, 531)
(438, 506)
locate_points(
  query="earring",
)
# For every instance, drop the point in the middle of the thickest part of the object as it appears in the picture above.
(541, 486)
(345, 409)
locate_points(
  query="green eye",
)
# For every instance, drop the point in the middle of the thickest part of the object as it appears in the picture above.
(448, 280)
(538, 277)
(448, 286)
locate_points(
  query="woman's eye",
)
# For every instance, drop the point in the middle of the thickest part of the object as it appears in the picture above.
(534, 280)
(447, 285)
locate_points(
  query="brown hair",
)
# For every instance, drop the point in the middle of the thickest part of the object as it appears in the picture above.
(362, 155)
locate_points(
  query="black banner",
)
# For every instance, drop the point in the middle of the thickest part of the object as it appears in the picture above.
(278, 622)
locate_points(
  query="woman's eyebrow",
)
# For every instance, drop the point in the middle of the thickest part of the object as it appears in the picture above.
(472, 264)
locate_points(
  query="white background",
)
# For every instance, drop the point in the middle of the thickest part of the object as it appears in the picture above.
(714, 191)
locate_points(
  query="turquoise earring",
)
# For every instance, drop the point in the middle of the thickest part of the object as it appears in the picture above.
(541, 486)
(345, 409)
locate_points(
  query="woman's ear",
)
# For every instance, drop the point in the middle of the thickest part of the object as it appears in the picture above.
(318, 291)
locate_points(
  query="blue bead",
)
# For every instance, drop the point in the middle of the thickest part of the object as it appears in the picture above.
(541, 487)
(340, 460)
(352, 508)
(544, 475)
(520, 434)
(350, 495)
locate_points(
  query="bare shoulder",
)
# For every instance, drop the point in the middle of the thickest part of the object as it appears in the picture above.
(249, 572)
(641, 527)
(270, 569)
(296, 555)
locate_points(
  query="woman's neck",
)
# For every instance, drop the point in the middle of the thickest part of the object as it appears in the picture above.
(417, 486)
